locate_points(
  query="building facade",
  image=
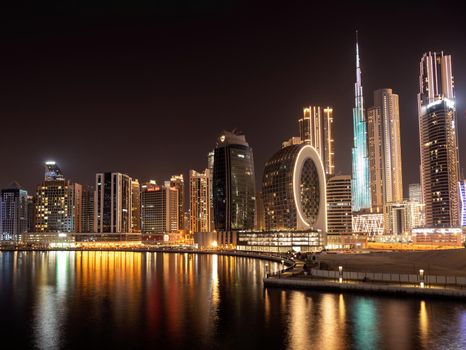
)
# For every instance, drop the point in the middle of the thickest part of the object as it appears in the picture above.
(316, 129)
(177, 182)
(113, 203)
(370, 224)
(438, 141)
(159, 208)
(56, 201)
(339, 212)
(233, 185)
(199, 201)
(383, 121)
(361, 190)
(415, 193)
(135, 206)
(87, 218)
(13, 212)
(294, 190)
(31, 204)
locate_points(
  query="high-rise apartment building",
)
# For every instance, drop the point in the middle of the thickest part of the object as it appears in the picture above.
(87, 218)
(210, 166)
(361, 194)
(316, 129)
(438, 141)
(77, 207)
(31, 208)
(13, 212)
(383, 124)
(233, 185)
(56, 202)
(199, 201)
(113, 203)
(159, 208)
(177, 182)
(339, 212)
(135, 206)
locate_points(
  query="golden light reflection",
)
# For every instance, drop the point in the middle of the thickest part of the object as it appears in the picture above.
(299, 323)
(341, 312)
(329, 327)
(423, 324)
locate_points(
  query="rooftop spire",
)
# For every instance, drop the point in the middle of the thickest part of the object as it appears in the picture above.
(358, 68)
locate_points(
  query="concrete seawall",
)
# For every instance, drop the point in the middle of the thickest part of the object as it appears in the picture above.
(357, 287)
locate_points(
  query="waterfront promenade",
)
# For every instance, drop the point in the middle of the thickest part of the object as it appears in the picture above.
(412, 283)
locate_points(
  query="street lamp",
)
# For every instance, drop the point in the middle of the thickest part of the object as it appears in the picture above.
(421, 277)
(266, 270)
(340, 274)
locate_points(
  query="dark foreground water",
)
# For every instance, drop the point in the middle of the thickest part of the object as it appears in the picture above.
(113, 300)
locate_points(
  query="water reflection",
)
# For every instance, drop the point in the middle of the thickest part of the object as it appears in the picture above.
(423, 324)
(365, 323)
(147, 300)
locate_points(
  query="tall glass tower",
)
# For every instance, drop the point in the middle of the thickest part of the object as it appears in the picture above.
(361, 195)
(233, 186)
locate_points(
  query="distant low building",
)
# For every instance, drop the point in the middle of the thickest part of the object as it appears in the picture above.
(282, 241)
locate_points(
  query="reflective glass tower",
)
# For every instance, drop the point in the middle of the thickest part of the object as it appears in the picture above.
(233, 185)
(361, 195)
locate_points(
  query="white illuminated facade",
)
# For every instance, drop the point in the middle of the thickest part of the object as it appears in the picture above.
(371, 224)
(282, 241)
(384, 145)
(438, 141)
(294, 190)
(199, 201)
(316, 129)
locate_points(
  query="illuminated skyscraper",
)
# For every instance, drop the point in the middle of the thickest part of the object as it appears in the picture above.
(57, 202)
(177, 182)
(210, 166)
(294, 190)
(316, 129)
(438, 141)
(159, 209)
(361, 195)
(113, 203)
(462, 195)
(13, 212)
(384, 150)
(233, 186)
(135, 206)
(199, 201)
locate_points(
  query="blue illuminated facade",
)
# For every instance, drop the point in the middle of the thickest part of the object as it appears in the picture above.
(361, 195)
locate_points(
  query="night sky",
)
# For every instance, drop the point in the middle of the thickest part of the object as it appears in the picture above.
(146, 89)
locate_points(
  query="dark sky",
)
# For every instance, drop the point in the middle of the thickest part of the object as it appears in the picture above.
(145, 89)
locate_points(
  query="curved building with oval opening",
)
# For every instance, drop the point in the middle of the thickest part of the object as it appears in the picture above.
(293, 188)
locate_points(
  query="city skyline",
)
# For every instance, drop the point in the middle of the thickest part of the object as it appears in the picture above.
(276, 106)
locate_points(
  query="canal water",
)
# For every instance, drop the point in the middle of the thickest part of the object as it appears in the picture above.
(124, 300)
